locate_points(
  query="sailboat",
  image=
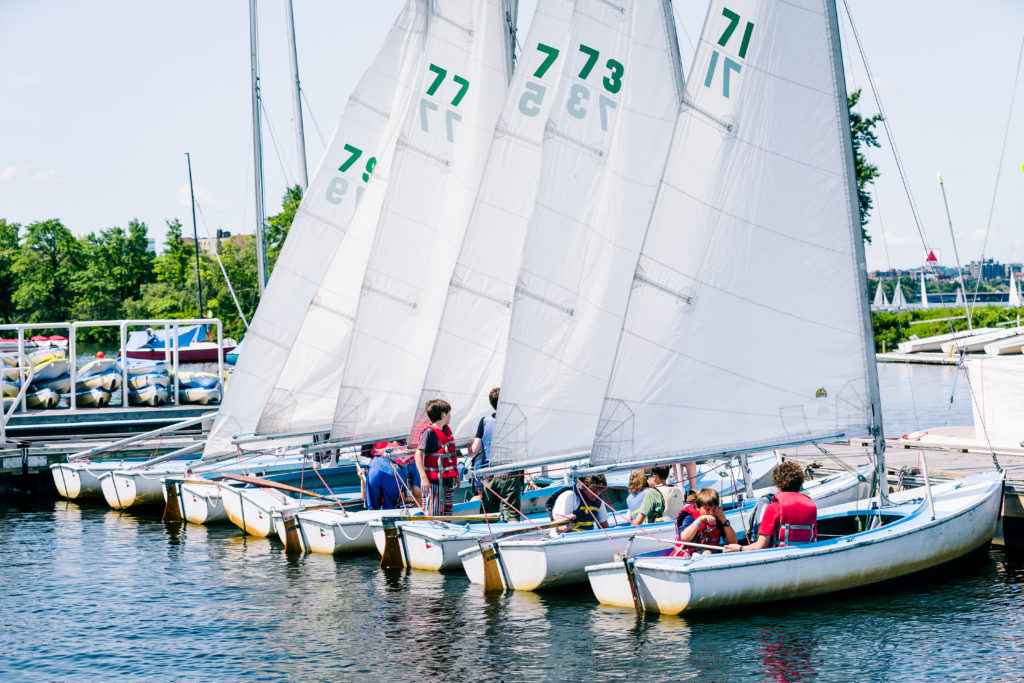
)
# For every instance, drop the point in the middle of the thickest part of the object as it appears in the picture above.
(924, 292)
(881, 302)
(899, 301)
(1014, 301)
(814, 376)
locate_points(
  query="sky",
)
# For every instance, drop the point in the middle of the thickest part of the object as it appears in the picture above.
(100, 101)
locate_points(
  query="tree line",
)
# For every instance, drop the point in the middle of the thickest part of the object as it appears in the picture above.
(47, 274)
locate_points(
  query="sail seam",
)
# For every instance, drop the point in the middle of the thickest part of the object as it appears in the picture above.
(376, 110)
(708, 115)
(483, 295)
(615, 6)
(685, 298)
(522, 291)
(722, 212)
(370, 289)
(406, 145)
(468, 30)
(551, 131)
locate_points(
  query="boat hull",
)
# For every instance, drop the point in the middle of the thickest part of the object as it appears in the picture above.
(333, 532)
(965, 522)
(251, 509)
(200, 502)
(123, 489)
(76, 480)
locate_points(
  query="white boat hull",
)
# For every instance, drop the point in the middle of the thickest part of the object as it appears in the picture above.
(333, 532)
(251, 509)
(82, 479)
(123, 489)
(965, 521)
(533, 561)
(435, 546)
(200, 502)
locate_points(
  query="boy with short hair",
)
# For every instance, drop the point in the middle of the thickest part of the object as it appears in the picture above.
(437, 459)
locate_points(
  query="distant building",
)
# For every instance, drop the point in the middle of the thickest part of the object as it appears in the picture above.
(151, 245)
(989, 269)
(211, 245)
(1014, 269)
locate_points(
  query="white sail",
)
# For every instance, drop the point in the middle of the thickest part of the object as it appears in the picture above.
(1014, 293)
(758, 200)
(353, 168)
(959, 297)
(469, 352)
(899, 301)
(603, 155)
(434, 179)
(924, 292)
(880, 301)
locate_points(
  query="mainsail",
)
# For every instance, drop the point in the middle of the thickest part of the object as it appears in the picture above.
(924, 291)
(758, 200)
(352, 174)
(434, 179)
(604, 152)
(1014, 292)
(469, 352)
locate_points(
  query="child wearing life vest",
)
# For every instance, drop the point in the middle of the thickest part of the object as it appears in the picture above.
(704, 522)
(437, 459)
(792, 517)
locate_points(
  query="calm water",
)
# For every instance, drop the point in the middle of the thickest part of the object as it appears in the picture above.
(92, 594)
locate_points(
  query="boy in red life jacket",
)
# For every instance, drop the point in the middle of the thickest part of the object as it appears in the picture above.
(792, 517)
(437, 459)
(703, 521)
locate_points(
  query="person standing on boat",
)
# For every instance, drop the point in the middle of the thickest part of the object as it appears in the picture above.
(792, 517)
(703, 521)
(379, 482)
(508, 486)
(582, 507)
(437, 459)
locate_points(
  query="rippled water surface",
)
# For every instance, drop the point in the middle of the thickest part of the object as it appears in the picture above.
(92, 594)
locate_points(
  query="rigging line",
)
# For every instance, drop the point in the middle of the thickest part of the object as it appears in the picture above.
(224, 272)
(309, 110)
(999, 168)
(886, 126)
(273, 140)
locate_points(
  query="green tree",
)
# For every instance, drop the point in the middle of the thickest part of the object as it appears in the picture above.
(46, 267)
(279, 225)
(175, 263)
(863, 135)
(117, 264)
(9, 248)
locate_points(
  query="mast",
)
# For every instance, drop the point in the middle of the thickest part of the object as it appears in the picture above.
(511, 10)
(257, 146)
(293, 58)
(195, 235)
(875, 428)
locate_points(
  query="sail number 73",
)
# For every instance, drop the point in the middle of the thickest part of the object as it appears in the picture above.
(531, 100)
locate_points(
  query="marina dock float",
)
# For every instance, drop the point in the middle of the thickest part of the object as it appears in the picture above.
(918, 358)
(38, 439)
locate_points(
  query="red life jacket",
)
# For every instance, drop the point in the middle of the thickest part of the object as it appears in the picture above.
(706, 534)
(444, 461)
(797, 521)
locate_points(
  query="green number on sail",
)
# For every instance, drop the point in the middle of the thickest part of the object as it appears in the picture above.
(613, 82)
(441, 73)
(355, 152)
(463, 87)
(592, 56)
(734, 21)
(551, 54)
(371, 163)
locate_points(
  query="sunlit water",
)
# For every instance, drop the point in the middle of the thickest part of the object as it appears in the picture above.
(92, 594)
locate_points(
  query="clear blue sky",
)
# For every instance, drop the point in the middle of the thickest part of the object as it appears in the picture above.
(101, 100)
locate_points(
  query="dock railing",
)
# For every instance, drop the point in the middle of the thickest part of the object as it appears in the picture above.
(172, 351)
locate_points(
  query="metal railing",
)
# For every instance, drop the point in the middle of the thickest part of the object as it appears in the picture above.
(26, 372)
(172, 351)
